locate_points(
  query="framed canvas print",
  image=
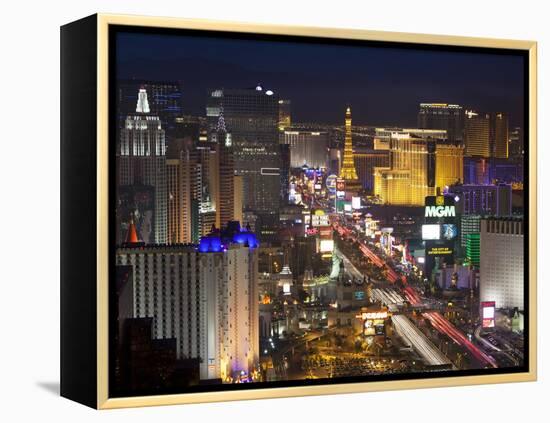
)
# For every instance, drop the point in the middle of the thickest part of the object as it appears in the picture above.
(254, 211)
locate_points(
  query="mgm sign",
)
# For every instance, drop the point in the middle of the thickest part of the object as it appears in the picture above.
(440, 230)
(439, 207)
(440, 211)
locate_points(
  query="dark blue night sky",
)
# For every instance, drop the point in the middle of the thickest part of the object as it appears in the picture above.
(383, 85)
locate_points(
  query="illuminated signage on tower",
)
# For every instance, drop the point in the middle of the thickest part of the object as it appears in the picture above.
(440, 211)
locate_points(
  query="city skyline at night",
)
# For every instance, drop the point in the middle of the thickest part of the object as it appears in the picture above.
(292, 211)
(384, 84)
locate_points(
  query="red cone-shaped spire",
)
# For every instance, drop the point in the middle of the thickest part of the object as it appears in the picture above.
(131, 236)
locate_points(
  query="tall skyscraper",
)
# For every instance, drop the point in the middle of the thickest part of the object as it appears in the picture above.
(165, 100)
(347, 170)
(188, 127)
(184, 183)
(252, 116)
(238, 199)
(141, 165)
(516, 142)
(486, 134)
(284, 114)
(501, 262)
(223, 172)
(285, 172)
(477, 134)
(449, 117)
(500, 136)
(449, 164)
(231, 273)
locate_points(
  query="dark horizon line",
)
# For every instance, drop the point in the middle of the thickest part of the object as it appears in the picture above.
(333, 123)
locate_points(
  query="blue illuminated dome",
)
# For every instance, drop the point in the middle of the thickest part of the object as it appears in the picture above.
(210, 244)
(217, 241)
(246, 238)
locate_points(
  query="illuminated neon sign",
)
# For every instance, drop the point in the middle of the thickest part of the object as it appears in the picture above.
(440, 211)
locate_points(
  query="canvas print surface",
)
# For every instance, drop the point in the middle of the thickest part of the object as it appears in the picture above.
(299, 211)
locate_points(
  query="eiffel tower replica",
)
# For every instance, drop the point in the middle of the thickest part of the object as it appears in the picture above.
(348, 172)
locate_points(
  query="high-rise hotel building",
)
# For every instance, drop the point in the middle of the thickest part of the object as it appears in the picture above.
(421, 160)
(184, 184)
(252, 117)
(500, 136)
(223, 173)
(445, 116)
(477, 134)
(206, 298)
(141, 163)
(449, 164)
(284, 114)
(486, 134)
(167, 287)
(232, 306)
(501, 262)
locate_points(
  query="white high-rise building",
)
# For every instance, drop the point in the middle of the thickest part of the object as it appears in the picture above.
(141, 161)
(232, 316)
(168, 288)
(501, 262)
(206, 298)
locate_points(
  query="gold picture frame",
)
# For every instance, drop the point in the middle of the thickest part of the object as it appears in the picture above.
(103, 22)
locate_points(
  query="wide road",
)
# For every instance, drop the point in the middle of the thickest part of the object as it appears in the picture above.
(348, 265)
(447, 328)
(388, 296)
(417, 340)
(369, 253)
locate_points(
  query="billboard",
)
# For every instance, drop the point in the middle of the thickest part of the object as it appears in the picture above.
(319, 218)
(440, 208)
(440, 211)
(449, 231)
(375, 326)
(487, 314)
(286, 288)
(439, 251)
(331, 183)
(431, 232)
(356, 203)
(325, 232)
(436, 232)
(326, 246)
(369, 329)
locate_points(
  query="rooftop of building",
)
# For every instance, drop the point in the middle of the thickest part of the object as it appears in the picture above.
(141, 246)
(232, 234)
(513, 218)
